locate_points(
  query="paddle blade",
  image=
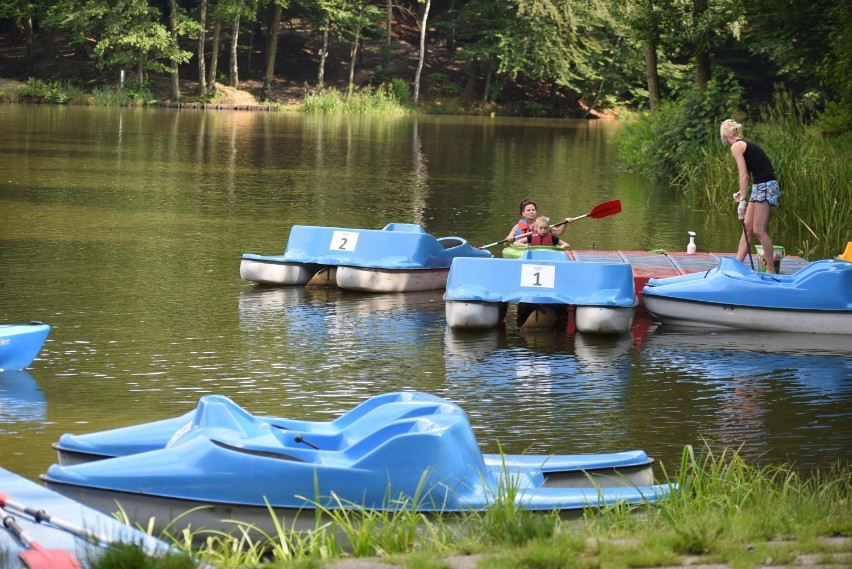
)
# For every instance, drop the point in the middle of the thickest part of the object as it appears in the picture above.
(38, 557)
(605, 209)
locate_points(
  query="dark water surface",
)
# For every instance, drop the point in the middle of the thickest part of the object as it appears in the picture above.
(123, 229)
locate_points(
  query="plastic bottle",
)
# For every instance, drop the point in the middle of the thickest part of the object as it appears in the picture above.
(690, 248)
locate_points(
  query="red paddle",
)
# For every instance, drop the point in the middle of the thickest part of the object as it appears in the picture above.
(37, 557)
(601, 210)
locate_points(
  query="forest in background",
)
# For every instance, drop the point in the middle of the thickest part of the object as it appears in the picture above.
(557, 58)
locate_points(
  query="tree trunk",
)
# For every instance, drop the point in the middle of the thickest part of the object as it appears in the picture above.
(422, 51)
(488, 75)
(271, 51)
(702, 56)
(214, 57)
(250, 45)
(702, 64)
(234, 77)
(388, 36)
(353, 53)
(50, 42)
(451, 36)
(173, 17)
(28, 26)
(202, 37)
(323, 56)
(470, 86)
(653, 76)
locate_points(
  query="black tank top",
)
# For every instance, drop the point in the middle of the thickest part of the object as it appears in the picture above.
(758, 163)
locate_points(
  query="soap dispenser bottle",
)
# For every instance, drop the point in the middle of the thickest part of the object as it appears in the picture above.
(690, 248)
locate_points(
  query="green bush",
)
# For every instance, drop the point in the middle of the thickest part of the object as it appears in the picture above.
(400, 91)
(658, 145)
(41, 91)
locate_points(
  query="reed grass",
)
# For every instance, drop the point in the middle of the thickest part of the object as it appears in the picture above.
(132, 94)
(383, 100)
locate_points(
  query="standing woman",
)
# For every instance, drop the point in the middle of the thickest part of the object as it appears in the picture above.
(754, 168)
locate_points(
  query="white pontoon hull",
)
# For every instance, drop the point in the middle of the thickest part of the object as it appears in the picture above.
(603, 319)
(276, 272)
(391, 280)
(679, 312)
(473, 315)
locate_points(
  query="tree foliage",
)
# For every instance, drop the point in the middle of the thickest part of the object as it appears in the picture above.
(579, 54)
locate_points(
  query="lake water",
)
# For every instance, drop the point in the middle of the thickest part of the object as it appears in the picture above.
(123, 229)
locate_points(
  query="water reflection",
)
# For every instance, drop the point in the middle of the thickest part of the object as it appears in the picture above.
(22, 403)
(744, 385)
(552, 392)
(331, 348)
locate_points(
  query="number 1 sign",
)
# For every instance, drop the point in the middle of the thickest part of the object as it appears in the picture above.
(540, 276)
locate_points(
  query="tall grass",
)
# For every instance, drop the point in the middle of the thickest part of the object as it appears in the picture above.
(815, 177)
(723, 501)
(132, 94)
(383, 99)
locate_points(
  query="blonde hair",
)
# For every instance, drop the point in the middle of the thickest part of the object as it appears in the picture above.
(541, 219)
(730, 128)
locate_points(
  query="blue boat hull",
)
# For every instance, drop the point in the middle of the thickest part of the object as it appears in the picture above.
(20, 344)
(816, 299)
(418, 452)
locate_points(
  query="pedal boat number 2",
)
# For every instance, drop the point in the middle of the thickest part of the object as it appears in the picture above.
(401, 257)
(479, 290)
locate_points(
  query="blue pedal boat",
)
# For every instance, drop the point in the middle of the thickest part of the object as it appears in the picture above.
(20, 344)
(403, 451)
(478, 290)
(401, 257)
(633, 468)
(815, 299)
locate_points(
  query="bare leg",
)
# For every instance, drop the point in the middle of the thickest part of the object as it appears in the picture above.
(760, 219)
(742, 250)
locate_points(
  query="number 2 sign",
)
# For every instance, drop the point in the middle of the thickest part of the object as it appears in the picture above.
(343, 241)
(540, 276)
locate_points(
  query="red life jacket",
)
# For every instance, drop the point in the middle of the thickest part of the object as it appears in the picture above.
(549, 239)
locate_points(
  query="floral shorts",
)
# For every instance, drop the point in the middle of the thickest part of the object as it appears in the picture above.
(766, 192)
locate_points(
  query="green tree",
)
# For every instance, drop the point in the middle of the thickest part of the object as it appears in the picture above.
(126, 33)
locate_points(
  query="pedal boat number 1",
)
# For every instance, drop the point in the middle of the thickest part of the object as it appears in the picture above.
(479, 290)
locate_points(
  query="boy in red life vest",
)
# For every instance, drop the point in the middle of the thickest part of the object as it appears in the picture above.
(542, 235)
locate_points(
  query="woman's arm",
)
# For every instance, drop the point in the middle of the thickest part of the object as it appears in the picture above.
(561, 229)
(738, 152)
(514, 231)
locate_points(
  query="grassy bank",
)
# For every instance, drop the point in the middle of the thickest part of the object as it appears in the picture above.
(724, 511)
